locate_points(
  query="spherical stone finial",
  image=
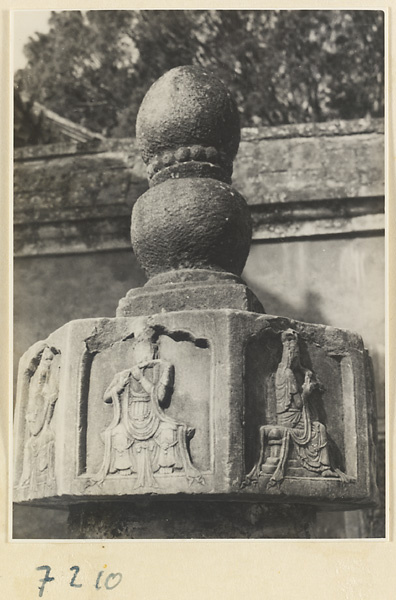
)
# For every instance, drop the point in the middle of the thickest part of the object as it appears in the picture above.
(188, 125)
(191, 224)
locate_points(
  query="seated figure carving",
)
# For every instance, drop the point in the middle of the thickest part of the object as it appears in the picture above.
(142, 440)
(296, 420)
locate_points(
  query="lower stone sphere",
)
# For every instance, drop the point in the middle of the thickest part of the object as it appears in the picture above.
(191, 224)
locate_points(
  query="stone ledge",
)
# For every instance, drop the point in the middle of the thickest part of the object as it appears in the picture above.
(188, 296)
(108, 229)
(300, 180)
(326, 128)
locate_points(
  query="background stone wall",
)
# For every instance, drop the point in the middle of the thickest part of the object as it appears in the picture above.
(316, 193)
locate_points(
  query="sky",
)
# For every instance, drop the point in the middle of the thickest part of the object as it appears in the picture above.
(26, 24)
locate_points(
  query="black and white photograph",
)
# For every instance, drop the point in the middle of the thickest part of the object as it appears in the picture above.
(199, 276)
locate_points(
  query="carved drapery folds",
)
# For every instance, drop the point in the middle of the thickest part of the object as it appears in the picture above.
(142, 440)
(297, 392)
(42, 390)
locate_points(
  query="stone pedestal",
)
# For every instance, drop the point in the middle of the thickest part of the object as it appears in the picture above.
(192, 413)
(189, 289)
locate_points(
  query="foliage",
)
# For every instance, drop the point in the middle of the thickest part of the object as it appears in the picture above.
(94, 67)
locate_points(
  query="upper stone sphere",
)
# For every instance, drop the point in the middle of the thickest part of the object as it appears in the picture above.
(188, 120)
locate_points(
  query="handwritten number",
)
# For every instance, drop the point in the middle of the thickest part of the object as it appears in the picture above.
(98, 579)
(111, 581)
(110, 577)
(45, 579)
(72, 584)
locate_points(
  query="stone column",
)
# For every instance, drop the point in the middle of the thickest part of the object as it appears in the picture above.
(192, 413)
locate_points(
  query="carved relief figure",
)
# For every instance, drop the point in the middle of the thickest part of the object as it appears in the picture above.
(296, 389)
(39, 454)
(141, 438)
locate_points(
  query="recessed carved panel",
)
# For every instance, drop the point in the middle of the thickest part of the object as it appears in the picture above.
(142, 440)
(42, 391)
(180, 422)
(293, 438)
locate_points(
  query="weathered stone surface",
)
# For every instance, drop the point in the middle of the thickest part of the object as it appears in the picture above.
(188, 133)
(315, 129)
(214, 412)
(208, 293)
(188, 116)
(77, 199)
(307, 219)
(191, 224)
(299, 169)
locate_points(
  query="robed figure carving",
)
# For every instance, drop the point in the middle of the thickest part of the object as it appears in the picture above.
(296, 389)
(39, 456)
(142, 440)
(294, 386)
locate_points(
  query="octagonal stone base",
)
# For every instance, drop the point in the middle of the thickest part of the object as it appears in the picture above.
(96, 420)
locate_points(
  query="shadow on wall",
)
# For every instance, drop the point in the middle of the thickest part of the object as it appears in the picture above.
(308, 311)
